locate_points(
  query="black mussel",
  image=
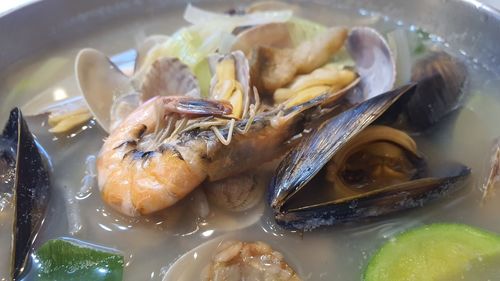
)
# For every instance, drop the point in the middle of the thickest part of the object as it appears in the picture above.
(21, 159)
(441, 79)
(349, 169)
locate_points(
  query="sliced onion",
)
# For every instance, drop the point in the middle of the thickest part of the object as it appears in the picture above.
(73, 213)
(197, 16)
(398, 42)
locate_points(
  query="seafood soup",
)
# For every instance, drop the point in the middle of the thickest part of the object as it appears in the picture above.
(271, 141)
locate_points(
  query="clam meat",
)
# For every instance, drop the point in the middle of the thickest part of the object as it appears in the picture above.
(236, 260)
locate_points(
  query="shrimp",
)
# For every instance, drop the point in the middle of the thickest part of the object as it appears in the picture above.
(136, 178)
(155, 157)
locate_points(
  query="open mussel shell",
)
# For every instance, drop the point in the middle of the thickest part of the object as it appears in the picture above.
(298, 199)
(30, 188)
(299, 166)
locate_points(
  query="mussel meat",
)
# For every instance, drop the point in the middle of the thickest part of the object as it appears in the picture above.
(20, 157)
(349, 169)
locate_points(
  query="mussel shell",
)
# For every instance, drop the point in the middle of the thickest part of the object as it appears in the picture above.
(315, 150)
(379, 202)
(441, 79)
(295, 174)
(31, 190)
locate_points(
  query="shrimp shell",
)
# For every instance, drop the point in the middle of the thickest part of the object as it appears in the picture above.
(135, 182)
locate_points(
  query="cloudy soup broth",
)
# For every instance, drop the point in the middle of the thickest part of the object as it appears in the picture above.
(153, 243)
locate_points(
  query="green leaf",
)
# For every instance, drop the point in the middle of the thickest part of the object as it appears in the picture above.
(422, 37)
(72, 260)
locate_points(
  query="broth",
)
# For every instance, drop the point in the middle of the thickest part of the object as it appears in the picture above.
(151, 244)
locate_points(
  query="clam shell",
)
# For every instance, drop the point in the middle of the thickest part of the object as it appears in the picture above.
(374, 62)
(169, 77)
(236, 194)
(101, 82)
(275, 35)
(242, 73)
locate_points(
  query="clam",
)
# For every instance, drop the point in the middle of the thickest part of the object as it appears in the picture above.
(229, 257)
(332, 79)
(237, 260)
(231, 81)
(277, 62)
(111, 95)
(374, 62)
(348, 169)
(236, 194)
(66, 110)
(169, 77)
(101, 82)
(275, 35)
(23, 168)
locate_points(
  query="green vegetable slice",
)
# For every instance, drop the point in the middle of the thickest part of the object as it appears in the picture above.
(72, 260)
(435, 252)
